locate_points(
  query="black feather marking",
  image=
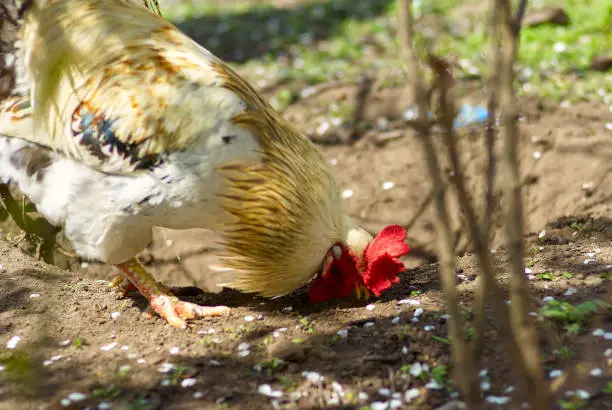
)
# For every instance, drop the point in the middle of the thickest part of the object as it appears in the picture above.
(96, 133)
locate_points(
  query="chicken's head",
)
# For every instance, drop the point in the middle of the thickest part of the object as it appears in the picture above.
(362, 264)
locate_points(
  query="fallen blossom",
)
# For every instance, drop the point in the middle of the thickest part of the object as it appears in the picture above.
(501, 400)
(244, 346)
(166, 367)
(596, 372)
(313, 377)
(416, 369)
(343, 333)
(483, 373)
(395, 403)
(197, 395)
(371, 306)
(555, 373)
(115, 315)
(104, 405)
(409, 302)
(174, 350)
(379, 405)
(347, 193)
(608, 336)
(384, 392)
(13, 342)
(395, 320)
(34, 295)
(509, 389)
(338, 389)
(189, 382)
(369, 324)
(76, 396)
(598, 332)
(583, 394)
(248, 318)
(387, 185)
(570, 292)
(542, 234)
(485, 385)
(108, 347)
(429, 328)
(548, 299)
(418, 312)
(589, 261)
(433, 385)
(363, 396)
(411, 394)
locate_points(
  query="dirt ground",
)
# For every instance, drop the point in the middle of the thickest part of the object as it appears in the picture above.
(78, 344)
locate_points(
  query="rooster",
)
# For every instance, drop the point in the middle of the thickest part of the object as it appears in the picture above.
(119, 122)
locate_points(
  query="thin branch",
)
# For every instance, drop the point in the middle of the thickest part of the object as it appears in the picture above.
(524, 329)
(487, 217)
(476, 231)
(466, 375)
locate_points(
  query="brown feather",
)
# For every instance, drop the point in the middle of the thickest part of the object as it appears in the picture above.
(278, 203)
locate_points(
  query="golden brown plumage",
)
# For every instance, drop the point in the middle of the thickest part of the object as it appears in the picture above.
(142, 127)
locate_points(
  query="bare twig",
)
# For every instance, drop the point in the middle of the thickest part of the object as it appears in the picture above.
(525, 334)
(466, 375)
(487, 217)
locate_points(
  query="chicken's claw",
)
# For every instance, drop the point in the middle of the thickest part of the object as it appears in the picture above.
(122, 284)
(176, 312)
(166, 304)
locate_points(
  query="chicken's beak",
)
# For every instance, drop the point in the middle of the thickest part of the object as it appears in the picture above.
(362, 292)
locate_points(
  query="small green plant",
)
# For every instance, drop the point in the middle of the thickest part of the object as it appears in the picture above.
(547, 276)
(78, 342)
(440, 375)
(111, 391)
(572, 318)
(576, 403)
(402, 333)
(566, 353)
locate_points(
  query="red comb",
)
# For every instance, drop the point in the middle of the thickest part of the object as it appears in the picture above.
(381, 266)
(382, 258)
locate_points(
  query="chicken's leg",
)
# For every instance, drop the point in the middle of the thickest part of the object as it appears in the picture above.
(168, 306)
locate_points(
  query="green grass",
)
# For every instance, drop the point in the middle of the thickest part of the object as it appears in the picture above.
(322, 41)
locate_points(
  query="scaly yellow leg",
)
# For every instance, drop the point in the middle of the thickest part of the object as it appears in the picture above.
(362, 292)
(168, 306)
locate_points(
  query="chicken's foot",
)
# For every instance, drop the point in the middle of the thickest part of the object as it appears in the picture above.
(168, 306)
